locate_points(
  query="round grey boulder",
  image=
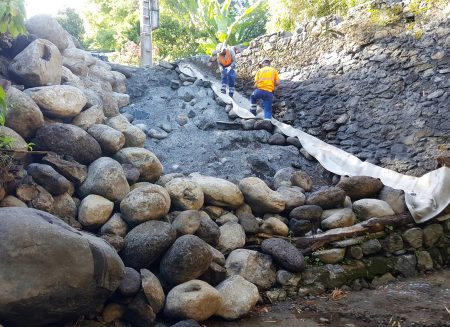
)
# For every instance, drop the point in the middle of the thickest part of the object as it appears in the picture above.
(260, 197)
(284, 253)
(38, 65)
(194, 299)
(239, 297)
(131, 282)
(58, 101)
(47, 27)
(151, 202)
(330, 198)
(24, 115)
(148, 164)
(307, 212)
(185, 194)
(110, 140)
(256, 267)
(188, 258)
(145, 243)
(65, 139)
(73, 271)
(360, 187)
(106, 178)
(187, 222)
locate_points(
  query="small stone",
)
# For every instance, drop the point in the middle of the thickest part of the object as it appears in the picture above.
(424, 260)
(392, 243)
(432, 233)
(277, 139)
(414, 237)
(94, 211)
(330, 256)
(175, 85)
(356, 252)
(406, 265)
(131, 282)
(382, 280)
(157, 134)
(274, 226)
(302, 180)
(294, 141)
(371, 247)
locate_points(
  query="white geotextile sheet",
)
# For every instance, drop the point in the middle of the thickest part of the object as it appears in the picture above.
(426, 196)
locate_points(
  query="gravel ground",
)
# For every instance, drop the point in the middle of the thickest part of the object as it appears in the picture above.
(201, 145)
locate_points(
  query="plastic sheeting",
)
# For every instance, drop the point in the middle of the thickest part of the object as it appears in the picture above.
(426, 197)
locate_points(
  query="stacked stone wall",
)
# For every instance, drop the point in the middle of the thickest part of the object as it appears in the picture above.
(378, 92)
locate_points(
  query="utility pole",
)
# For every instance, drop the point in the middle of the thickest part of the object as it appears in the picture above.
(149, 17)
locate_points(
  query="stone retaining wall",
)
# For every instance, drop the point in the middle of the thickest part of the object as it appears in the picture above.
(380, 93)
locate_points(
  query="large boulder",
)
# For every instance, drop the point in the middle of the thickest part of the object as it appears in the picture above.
(194, 299)
(106, 178)
(47, 27)
(149, 166)
(208, 230)
(330, 198)
(110, 140)
(188, 258)
(256, 267)
(65, 139)
(368, 208)
(219, 192)
(187, 222)
(260, 197)
(238, 295)
(293, 196)
(89, 117)
(185, 194)
(151, 202)
(94, 211)
(341, 218)
(232, 236)
(76, 66)
(79, 54)
(23, 116)
(39, 64)
(134, 137)
(360, 187)
(73, 273)
(145, 243)
(58, 101)
(285, 254)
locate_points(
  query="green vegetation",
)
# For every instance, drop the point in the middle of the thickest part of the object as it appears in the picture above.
(12, 16)
(113, 23)
(71, 21)
(286, 14)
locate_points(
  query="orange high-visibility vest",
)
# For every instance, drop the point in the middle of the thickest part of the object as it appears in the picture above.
(265, 79)
(225, 60)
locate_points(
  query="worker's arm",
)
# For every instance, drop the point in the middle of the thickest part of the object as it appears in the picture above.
(233, 59)
(276, 81)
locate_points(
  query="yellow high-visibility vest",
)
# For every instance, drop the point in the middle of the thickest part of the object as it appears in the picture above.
(265, 79)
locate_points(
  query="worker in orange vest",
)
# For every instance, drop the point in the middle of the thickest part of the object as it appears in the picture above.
(266, 80)
(226, 59)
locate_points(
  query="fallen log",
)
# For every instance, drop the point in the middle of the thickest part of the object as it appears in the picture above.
(312, 243)
(25, 151)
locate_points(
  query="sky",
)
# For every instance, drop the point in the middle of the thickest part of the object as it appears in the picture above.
(51, 7)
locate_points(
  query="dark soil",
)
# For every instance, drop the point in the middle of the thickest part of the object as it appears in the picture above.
(422, 301)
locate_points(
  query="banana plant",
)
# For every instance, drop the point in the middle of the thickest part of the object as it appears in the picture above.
(217, 22)
(12, 17)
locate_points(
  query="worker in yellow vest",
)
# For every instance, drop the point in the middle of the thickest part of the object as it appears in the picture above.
(266, 80)
(226, 59)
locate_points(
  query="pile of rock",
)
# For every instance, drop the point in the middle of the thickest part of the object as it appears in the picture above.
(186, 246)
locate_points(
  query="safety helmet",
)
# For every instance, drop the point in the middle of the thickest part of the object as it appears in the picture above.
(265, 60)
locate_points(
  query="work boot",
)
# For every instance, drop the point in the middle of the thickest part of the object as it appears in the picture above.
(253, 112)
(231, 94)
(223, 90)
